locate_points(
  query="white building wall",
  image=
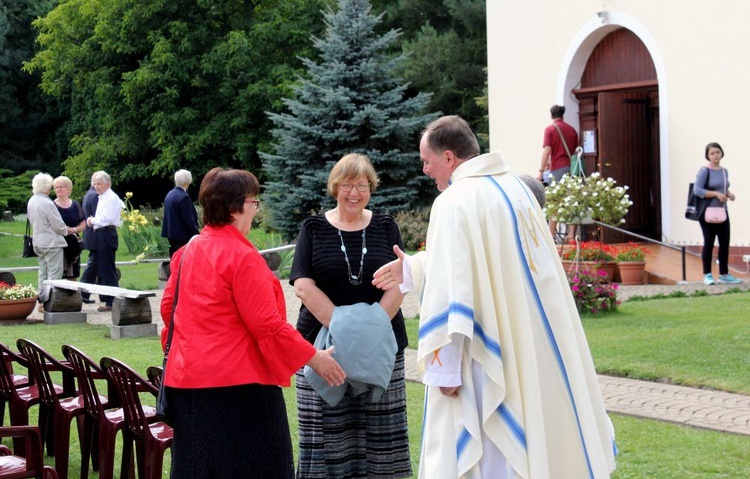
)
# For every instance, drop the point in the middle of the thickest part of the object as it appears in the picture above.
(537, 50)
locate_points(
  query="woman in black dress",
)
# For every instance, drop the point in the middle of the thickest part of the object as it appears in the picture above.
(72, 215)
(336, 255)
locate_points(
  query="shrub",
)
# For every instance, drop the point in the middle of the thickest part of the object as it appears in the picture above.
(142, 238)
(413, 227)
(15, 191)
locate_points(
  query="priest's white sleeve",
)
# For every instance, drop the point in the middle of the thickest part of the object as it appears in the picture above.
(444, 367)
(408, 282)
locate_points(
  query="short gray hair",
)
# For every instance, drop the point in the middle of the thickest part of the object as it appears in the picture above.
(101, 176)
(536, 187)
(183, 178)
(41, 183)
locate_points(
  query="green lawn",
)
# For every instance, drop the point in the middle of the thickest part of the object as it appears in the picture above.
(696, 341)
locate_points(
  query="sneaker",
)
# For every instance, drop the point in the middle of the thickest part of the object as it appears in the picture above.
(104, 308)
(729, 279)
(708, 279)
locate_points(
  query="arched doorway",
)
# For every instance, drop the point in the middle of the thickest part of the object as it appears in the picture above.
(619, 122)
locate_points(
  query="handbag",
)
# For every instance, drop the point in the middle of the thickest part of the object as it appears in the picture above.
(717, 214)
(695, 204)
(163, 412)
(28, 242)
(74, 247)
(576, 162)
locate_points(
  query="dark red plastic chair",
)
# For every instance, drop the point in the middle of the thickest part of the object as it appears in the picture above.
(7, 358)
(151, 439)
(103, 418)
(32, 465)
(63, 409)
(21, 398)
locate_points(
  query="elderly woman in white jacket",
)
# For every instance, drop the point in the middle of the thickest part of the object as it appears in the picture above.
(49, 231)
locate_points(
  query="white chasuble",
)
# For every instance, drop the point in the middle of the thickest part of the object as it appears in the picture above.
(491, 285)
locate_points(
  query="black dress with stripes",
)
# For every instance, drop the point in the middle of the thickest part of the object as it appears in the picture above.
(357, 437)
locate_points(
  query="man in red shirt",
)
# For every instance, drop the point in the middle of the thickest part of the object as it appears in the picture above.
(556, 158)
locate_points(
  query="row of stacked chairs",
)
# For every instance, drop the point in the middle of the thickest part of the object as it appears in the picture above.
(99, 416)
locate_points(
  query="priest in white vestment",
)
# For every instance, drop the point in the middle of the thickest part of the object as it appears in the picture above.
(511, 386)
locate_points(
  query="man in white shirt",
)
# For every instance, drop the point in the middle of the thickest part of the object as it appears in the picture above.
(511, 387)
(105, 222)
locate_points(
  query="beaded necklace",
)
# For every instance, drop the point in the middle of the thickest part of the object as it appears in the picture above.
(355, 280)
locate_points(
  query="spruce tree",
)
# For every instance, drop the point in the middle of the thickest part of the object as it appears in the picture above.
(351, 101)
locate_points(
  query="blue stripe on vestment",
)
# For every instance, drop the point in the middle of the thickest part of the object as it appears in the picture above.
(512, 423)
(545, 321)
(463, 441)
(441, 319)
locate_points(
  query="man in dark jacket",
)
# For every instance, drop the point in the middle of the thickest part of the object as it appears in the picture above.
(90, 200)
(180, 217)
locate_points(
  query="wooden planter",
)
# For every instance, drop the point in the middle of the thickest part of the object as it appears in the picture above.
(15, 309)
(632, 272)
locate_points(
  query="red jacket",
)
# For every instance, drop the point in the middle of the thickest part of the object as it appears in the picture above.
(230, 323)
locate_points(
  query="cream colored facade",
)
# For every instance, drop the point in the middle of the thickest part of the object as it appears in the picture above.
(537, 50)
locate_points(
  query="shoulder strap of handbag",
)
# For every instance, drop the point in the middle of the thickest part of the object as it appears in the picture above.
(174, 306)
(28, 227)
(562, 138)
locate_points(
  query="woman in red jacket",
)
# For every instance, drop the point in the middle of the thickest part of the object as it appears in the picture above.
(231, 347)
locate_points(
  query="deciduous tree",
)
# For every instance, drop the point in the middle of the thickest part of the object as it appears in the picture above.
(164, 84)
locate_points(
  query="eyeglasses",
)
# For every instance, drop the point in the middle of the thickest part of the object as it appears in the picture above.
(254, 202)
(361, 187)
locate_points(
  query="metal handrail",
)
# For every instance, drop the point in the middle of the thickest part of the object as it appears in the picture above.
(651, 240)
(145, 260)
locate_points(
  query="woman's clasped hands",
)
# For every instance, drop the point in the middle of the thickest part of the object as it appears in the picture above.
(327, 368)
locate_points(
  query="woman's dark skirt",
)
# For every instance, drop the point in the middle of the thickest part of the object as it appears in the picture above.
(231, 432)
(357, 437)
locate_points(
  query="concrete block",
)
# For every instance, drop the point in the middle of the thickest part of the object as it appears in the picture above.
(64, 317)
(132, 331)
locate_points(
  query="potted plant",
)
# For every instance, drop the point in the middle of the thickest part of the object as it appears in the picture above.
(592, 293)
(591, 255)
(631, 262)
(17, 301)
(576, 199)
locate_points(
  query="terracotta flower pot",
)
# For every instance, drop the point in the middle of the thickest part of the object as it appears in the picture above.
(593, 266)
(15, 309)
(632, 272)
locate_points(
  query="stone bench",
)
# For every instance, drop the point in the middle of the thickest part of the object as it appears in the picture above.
(131, 309)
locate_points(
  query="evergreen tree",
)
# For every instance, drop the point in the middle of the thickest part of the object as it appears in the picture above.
(351, 101)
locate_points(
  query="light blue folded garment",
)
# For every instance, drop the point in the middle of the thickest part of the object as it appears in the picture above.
(365, 347)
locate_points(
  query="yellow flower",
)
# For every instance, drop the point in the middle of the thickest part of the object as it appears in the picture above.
(129, 195)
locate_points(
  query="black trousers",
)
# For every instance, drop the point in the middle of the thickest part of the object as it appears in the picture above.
(101, 268)
(174, 245)
(710, 232)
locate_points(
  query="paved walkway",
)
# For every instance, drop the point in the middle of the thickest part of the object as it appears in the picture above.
(692, 407)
